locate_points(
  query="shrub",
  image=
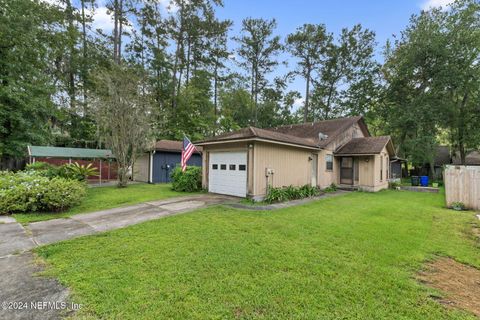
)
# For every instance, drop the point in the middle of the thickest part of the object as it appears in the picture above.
(79, 172)
(290, 193)
(30, 191)
(394, 185)
(458, 206)
(331, 188)
(45, 169)
(188, 181)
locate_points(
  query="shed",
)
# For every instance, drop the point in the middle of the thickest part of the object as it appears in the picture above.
(396, 167)
(102, 159)
(156, 165)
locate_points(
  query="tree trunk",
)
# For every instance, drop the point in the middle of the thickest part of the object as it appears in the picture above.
(120, 31)
(84, 62)
(307, 96)
(71, 58)
(215, 97)
(115, 29)
(461, 130)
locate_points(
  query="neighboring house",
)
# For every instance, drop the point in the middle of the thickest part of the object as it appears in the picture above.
(339, 151)
(471, 159)
(156, 165)
(102, 159)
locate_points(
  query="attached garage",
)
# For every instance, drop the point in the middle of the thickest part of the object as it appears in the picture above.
(228, 173)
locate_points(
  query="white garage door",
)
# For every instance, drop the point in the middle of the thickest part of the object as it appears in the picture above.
(228, 173)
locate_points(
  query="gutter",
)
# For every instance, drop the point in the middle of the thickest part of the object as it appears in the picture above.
(260, 140)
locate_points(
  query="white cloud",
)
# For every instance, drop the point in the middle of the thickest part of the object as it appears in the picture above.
(429, 4)
(169, 6)
(298, 103)
(54, 3)
(104, 21)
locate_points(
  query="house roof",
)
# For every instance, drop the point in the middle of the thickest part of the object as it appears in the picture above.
(471, 159)
(306, 134)
(366, 145)
(170, 145)
(330, 128)
(442, 156)
(61, 152)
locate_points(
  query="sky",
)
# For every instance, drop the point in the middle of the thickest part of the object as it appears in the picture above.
(385, 17)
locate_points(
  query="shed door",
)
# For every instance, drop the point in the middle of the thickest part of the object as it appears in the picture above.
(227, 173)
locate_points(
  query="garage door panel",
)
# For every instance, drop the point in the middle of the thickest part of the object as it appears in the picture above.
(232, 180)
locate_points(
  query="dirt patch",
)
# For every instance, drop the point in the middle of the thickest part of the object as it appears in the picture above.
(459, 283)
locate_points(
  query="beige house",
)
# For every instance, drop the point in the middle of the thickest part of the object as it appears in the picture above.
(246, 162)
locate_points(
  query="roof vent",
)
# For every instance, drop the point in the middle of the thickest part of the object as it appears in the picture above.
(322, 136)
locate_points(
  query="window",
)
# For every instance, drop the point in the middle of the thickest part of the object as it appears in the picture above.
(242, 167)
(232, 167)
(329, 162)
(381, 168)
(223, 167)
(214, 166)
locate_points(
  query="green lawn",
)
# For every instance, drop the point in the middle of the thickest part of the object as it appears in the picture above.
(109, 197)
(350, 257)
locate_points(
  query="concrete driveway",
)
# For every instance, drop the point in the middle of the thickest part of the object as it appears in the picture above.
(23, 295)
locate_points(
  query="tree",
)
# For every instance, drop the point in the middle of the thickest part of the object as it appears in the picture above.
(345, 80)
(308, 44)
(28, 37)
(432, 79)
(258, 49)
(123, 115)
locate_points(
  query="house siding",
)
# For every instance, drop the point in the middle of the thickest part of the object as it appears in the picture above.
(140, 168)
(292, 166)
(327, 177)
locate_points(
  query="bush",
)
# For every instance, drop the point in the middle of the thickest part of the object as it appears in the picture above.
(458, 206)
(45, 169)
(188, 181)
(30, 191)
(290, 193)
(79, 172)
(331, 188)
(394, 185)
(73, 171)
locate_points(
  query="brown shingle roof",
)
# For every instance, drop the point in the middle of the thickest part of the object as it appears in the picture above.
(471, 159)
(170, 145)
(306, 134)
(442, 156)
(367, 145)
(332, 128)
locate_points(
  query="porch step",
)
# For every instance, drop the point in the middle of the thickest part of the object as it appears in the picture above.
(347, 187)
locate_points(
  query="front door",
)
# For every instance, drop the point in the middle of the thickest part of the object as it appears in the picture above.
(346, 170)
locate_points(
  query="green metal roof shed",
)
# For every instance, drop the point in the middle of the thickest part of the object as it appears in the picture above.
(60, 152)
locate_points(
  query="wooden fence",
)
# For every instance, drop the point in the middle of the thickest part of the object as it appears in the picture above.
(462, 184)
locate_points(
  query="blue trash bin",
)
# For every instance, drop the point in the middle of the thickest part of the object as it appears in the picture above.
(424, 181)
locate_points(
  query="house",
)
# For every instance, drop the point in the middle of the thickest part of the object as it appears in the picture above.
(471, 159)
(102, 159)
(247, 162)
(156, 165)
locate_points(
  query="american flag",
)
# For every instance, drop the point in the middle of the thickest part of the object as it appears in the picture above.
(187, 150)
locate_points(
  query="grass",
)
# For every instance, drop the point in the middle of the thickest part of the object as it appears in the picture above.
(101, 198)
(350, 257)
